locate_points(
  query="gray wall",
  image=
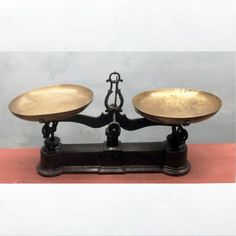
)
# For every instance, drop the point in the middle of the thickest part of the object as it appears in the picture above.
(209, 71)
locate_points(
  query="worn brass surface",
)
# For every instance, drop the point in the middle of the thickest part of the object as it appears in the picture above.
(176, 105)
(51, 103)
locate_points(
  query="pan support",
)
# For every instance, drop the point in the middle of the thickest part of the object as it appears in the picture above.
(113, 156)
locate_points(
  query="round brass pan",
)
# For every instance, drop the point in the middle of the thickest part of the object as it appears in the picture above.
(176, 105)
(51, 103)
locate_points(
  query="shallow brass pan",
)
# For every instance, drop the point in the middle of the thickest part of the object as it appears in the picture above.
(51, 103)
(176, 105)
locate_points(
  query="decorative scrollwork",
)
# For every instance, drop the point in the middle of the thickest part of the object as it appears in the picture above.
(49, 129)
(180, 132)
(179, 136)
(114, 79)
(51, 144)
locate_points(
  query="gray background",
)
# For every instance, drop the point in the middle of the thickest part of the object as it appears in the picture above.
(210, 71)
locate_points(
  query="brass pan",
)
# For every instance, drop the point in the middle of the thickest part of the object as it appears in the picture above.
(176, 105)
(51, 103)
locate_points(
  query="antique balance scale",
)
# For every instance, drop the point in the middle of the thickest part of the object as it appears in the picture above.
(174, 107)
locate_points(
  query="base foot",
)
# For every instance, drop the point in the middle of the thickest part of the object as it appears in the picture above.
(177, 171)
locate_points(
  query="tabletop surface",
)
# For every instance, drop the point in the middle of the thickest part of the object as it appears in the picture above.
(210, 163)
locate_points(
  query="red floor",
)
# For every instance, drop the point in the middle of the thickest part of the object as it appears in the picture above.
(211, 163)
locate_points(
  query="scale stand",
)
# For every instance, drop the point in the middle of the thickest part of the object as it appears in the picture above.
(113, 156)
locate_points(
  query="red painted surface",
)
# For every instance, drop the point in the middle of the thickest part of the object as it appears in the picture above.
(211, 163)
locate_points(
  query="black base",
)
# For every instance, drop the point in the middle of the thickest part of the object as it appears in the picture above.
(125, 158)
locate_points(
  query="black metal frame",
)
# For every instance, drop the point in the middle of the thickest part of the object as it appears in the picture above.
(112, 156)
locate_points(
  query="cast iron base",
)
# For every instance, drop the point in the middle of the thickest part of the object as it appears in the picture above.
(124, 158)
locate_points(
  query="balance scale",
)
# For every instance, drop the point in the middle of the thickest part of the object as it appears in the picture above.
(174, 107)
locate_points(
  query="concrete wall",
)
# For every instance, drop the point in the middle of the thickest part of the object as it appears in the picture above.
(209, 71)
